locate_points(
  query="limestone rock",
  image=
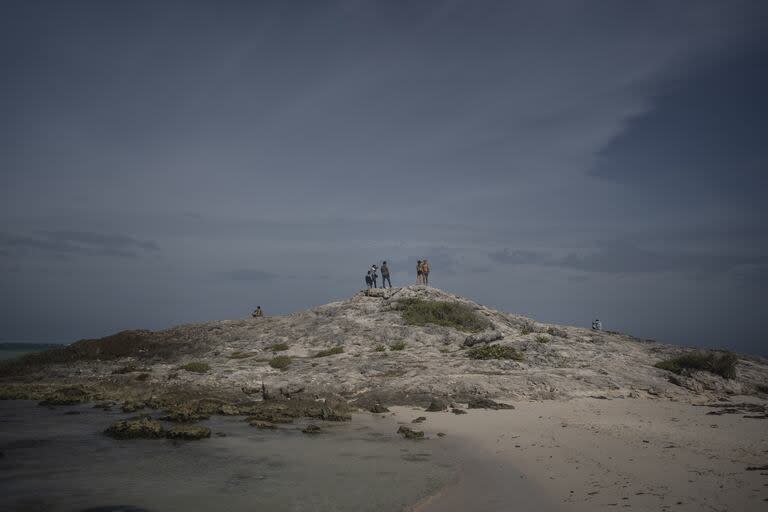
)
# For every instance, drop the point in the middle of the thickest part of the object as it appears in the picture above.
(142, 427)
(311, 429)
(407, 433)
(188, 432)
(487, 403)
(437, 405)
(482, 337)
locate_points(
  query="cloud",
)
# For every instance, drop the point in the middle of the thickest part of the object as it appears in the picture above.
(252, 275)
(64, 243)
(519, 257)
(623, 257)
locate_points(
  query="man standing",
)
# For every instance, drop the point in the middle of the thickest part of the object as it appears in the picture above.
(425, 271)
(374, 275)
(385, 275)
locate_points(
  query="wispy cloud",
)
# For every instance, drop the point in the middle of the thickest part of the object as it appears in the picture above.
(252, 275)
(63, 243)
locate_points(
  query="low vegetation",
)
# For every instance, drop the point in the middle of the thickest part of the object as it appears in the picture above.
(278, 347)
(722, 364)
(447, 314)
(380, 348)
(280, 362)
(398, 345)
(526, 329)
(542, 338)
(762, 388)
(330, 352)
(240, 355)
(196, 367)
(494, 352)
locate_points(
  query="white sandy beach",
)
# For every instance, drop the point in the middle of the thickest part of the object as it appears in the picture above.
(593, 454)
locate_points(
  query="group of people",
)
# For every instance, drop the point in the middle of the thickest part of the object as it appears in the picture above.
(422, 272)
(371, 278)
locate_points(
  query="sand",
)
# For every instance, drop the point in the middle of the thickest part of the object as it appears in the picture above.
(595, 454)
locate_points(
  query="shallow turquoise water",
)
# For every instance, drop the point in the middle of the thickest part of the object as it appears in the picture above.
(53, 461)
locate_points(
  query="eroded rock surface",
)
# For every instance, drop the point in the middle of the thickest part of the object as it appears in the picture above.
(385, 361)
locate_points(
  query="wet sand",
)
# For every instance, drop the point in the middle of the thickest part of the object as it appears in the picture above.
(592, 454)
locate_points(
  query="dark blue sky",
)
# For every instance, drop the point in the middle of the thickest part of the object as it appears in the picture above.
(166, 162)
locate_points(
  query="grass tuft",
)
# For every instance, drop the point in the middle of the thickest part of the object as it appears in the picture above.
(542, 338)
(380, 348)
(398, 345)
(240, 355)
(494, 352)
(280, 362)
(196, 367)
(330, 352)
(722, 364)
(447, 314)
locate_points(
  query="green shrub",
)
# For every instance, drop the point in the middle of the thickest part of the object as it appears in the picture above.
(196, 367)
(526, 329)
(542, 339)
(240, 355)
(494, 352)
(280, 362)
(278, 347)
(398, 345)
(447, 314)
(723, 364)
(330, 352)
(380, 348)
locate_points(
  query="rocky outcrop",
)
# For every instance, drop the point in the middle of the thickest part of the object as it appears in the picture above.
(389, 357)
(408, 433)
(188, 432)
(482, 337)
(487, 403)
(142, 427)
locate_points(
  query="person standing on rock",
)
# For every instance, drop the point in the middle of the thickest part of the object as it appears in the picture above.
(374, 275)
(368, 280)
(385, 275)
(418, 272)
(425, 272)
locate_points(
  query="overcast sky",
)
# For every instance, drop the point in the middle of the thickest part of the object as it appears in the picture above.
(165, 162)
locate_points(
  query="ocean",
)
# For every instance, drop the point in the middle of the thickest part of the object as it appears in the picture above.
(58, 459)
(11, 350)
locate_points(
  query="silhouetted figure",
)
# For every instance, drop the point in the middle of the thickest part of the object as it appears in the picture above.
(425, 272)
(385, 275)
(374, 275)
(597, 325)
(258, 313)
(368, 280)
(419, 276)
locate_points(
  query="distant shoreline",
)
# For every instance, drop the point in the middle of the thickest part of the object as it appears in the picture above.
(20, 345)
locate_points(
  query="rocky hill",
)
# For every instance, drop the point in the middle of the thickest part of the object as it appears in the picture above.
(395, 346)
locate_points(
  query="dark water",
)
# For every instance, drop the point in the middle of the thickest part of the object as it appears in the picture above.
(14, 350)
(53, 461)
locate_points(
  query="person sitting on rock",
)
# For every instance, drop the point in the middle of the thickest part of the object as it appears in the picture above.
(597, 325)
(374, 275)
(385, 275)
(258, 313)
(425, 272)
(419, 276)
(368, 280)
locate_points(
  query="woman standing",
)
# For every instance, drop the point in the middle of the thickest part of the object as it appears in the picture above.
(418, 273)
